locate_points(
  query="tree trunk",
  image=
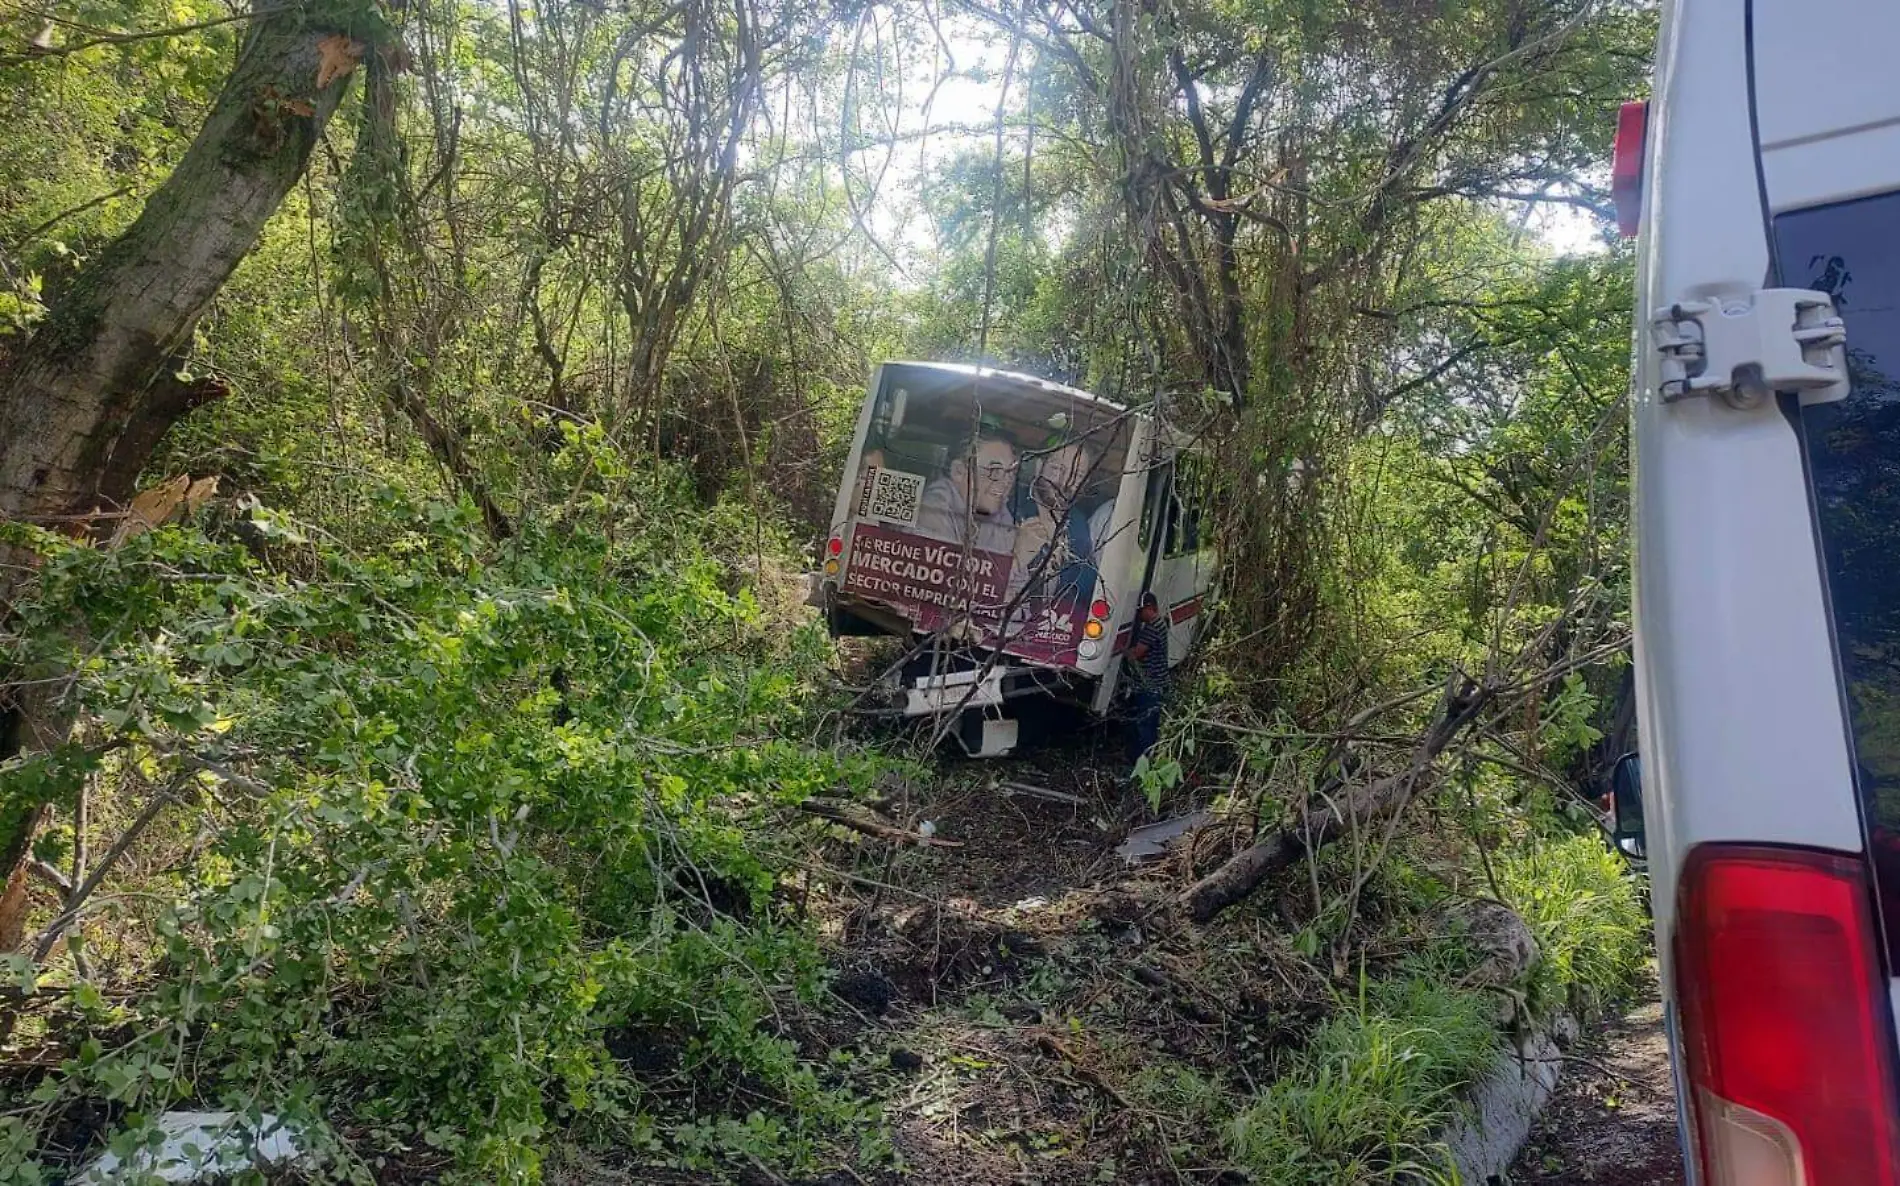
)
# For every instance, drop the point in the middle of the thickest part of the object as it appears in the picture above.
(80, 412)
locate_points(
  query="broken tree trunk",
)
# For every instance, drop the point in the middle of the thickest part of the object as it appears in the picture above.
(87, 373)
(1336, 810)
(848, 816)
(80, 407)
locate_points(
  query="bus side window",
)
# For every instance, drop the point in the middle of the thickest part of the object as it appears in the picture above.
(1184, 509)
(1158, 482)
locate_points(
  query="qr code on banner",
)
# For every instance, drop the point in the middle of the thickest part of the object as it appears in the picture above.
(891, 496)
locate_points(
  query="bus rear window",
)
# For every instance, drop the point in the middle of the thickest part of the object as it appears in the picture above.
(925, 420)
(1851, 250)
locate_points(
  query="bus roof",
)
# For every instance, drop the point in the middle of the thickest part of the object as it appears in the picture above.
(1011, 377)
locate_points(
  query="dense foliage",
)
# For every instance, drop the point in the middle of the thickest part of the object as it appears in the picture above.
(499, 817)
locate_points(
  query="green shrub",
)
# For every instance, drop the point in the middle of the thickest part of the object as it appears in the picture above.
(1364, 1102)
(490, 836)
(1582, 904)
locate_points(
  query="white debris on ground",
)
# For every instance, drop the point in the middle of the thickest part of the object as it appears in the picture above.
(199, 1145)
(1151, 840)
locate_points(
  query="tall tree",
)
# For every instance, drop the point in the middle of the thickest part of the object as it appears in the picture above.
(88, 397)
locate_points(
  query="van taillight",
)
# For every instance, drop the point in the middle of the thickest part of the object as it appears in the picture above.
(1626, 171)
(1785, 1019)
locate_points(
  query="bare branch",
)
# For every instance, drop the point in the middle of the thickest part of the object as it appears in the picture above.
(99, 37)
(76, 900)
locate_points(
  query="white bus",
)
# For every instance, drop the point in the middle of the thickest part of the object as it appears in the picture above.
(1007, 526)
(1766, 169)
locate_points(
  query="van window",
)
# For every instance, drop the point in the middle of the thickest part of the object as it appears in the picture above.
(1851, 250)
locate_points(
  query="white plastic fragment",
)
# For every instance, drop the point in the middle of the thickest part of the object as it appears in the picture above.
(1150, 841)
(199, 1145)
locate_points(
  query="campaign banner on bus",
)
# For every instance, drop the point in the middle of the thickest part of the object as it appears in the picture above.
(931, 580)
(934, 583)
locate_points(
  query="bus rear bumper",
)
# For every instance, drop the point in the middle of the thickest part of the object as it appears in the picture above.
(955, 691)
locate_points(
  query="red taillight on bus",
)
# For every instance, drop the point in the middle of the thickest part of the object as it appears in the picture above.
(1626, 173)
(1786, 1027)
(1099, 609)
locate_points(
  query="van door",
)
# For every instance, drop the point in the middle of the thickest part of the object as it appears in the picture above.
(1828, 126)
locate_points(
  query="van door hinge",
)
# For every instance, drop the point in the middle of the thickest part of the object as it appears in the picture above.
(1744, 348)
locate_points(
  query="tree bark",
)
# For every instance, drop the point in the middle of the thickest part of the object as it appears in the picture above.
(88, 369)
(81, 408)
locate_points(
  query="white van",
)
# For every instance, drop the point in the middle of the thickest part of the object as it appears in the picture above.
(1007, 526)
(1766, 168)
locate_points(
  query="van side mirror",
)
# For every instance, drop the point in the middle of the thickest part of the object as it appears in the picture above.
(1626, 805)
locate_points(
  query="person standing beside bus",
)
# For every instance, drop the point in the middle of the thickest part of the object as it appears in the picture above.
(1148, 659)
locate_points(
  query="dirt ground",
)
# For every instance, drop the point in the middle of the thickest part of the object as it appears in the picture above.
(1014, 1027)
(1017, 1005)
(1613, 1121)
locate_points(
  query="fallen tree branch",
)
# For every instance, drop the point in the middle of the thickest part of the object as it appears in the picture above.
(871, 826)
(50, 876)
(76, 901)
(1333, 810)
(1032, 791)
(224, 773)
(1053, 1047)
(1175, 992)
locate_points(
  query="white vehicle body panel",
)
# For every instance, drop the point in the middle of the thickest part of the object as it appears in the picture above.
(1738, 702)
(1827, 99)
(1741, 703)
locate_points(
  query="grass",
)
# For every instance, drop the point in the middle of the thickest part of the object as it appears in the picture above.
(1365, 1101)
(1583, 907)
(1369, 1098)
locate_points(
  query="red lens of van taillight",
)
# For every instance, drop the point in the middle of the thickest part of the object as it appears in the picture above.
(1626, 171)
(1785, 1020)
